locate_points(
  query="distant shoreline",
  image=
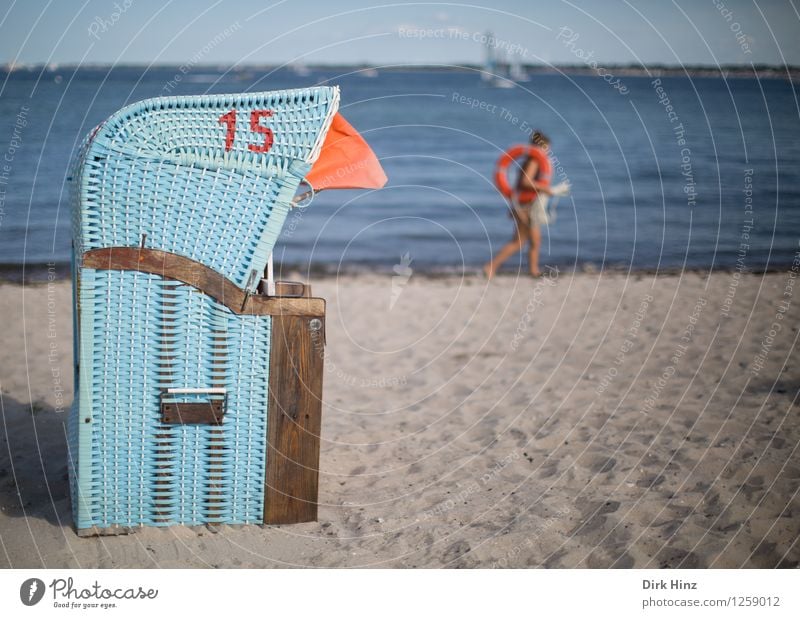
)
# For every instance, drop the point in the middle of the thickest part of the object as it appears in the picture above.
(628, 70)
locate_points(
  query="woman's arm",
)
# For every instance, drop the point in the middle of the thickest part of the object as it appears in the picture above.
(528, 180)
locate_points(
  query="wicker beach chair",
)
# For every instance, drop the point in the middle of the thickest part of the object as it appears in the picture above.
(178, 202)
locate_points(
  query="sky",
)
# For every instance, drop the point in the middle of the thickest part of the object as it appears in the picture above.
(228, 32)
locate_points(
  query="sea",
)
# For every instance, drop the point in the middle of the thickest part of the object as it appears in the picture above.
(666, 173)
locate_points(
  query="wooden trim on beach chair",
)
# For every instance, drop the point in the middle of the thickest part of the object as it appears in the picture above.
(200, 276)
(295, 419)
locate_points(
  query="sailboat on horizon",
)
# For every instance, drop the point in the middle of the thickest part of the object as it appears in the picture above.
(493, 74)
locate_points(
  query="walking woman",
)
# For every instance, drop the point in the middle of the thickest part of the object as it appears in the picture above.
(529, 211)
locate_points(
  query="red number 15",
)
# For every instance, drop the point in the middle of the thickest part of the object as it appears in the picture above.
(229, 119)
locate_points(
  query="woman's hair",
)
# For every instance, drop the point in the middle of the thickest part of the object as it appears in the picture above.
(540, 139)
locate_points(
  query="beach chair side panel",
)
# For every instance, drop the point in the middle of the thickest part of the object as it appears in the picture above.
(163, 335)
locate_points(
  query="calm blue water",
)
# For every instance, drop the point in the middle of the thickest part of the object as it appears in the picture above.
(629, 206)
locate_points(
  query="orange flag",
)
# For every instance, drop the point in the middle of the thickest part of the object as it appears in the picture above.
(346, 161)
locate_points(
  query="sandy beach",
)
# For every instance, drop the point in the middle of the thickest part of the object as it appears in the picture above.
(579, 420)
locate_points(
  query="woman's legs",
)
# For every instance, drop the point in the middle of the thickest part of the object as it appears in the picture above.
(535, 233)
(521, 233)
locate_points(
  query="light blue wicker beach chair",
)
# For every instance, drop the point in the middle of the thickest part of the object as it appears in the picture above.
(178, 203)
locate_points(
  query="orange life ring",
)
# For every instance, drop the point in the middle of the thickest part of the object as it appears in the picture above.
(509, 157)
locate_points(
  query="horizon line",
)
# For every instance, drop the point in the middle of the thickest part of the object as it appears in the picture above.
(9, 66)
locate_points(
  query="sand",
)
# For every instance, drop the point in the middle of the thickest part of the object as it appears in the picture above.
(582, 420)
